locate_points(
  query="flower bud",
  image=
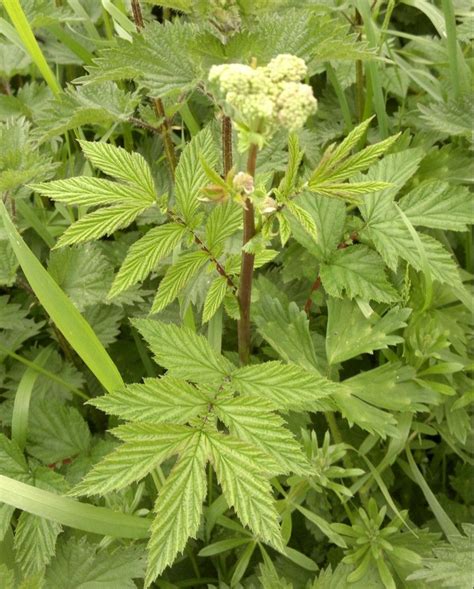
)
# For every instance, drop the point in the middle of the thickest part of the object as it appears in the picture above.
(243, 183)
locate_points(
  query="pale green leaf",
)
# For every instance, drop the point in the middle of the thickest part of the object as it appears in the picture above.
(12, 460)
(304, 218)
(359, 272)
(214, 298)
(144, 255)
(177, 277)
(253, 420)
(295, 155)
(178, 508)
(224, 221)
(117, 162)
(157, 400)
(35, 541)
(184, 353)
(133, 460)
(373, 333)
(85, 191)
(244, 486)
(101, 222)
(287, 386)
(440, 206)
(190, 174)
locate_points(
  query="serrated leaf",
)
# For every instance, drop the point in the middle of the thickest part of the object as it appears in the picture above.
(190, 174)
(144, 255)
(133, 460)
(286, 385)
(56, 432)
(80, 564)
(253, 420)
(157, 400)
(304, 218)
(83, 273)
(295, 155)
(184, 353)
(374, 333)
(12, 460)
(85, 191)
(350, 191)
(244, 487)
(223, 222)
(115, 161)
(35, 541)
(177, 277)
(440, 206)
(101, 222)
(178, 508)
(214, 298)
(359, 272)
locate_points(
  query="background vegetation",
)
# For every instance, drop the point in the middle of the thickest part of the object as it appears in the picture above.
(332, 449)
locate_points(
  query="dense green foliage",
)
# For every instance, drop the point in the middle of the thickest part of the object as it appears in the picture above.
(236, 302)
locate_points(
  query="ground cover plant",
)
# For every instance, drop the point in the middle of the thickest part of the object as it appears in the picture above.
(236, 294)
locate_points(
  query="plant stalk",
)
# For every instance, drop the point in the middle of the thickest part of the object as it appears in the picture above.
(246, 273)
(226, 144)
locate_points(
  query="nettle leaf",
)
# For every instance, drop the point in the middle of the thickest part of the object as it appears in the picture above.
(452, 118)
(214, 298)
(144, 255)
(56, 432)
(304, 218)
(190, 173)
(239, 471)
(35, 542)
(253, 420)
(146, 447)
(80, 564)
(177, 277)
(439, 206)
(288, 386)
(183, 352)
(373, 333)
(8, 264)
(290, 179)
(178, 508)
(224, 221)
(12, 460)
(157, 400)
(359, 272)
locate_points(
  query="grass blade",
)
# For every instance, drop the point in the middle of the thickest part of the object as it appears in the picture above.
(68, 512)
(62, 311)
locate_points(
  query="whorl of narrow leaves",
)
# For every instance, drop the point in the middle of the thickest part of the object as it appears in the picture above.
(179, 415)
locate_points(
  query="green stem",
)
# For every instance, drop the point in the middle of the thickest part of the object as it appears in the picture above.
(246, 273)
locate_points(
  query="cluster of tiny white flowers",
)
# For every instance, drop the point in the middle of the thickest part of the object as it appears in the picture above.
(264, 97)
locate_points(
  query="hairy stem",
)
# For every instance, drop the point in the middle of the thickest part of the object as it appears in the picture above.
(227, 144)
(246, 272)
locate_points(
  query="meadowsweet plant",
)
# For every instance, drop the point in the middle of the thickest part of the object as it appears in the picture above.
(236, 263)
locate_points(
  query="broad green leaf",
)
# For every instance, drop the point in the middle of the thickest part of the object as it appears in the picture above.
(83, 273)
(359, 272)
(12, 460)
(83, 564)
(350, 191)
(253, 420)
(295, 155)
(35, 540)
(214, 298)
(177, 277)
(144, 255)
(373, 333)
(184, 353)
(85, 191)
(101, 222)
(190, 174)
(115, 161)
(56, 432)
(62, 311)
(133, 460)
(157, 400)
(287, 386)
(178, 508)
(440, 206)
(224, 221)
(96, 520)
(244, 487)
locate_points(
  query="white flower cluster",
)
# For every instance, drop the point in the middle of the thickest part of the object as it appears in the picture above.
(263, 98)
